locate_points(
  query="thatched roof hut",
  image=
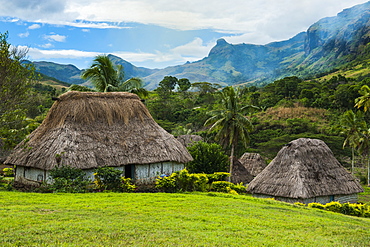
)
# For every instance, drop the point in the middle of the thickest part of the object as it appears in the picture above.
(253, 163)
(188, 140)
(87, 130)
(306, 170)
(240, 174)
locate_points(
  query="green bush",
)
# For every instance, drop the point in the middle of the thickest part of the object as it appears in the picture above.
(182, 181)
(316, 205)
(126, 185)
(66, 179)
(166, 184)
(108, 178)
(353, 209)
(8, 172)
(218, 176)
(208, 158)
(334, 207)
(225, 187)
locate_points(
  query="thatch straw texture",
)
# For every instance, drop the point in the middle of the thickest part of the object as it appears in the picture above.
(253, 163)
(304, 168)
(90, 130)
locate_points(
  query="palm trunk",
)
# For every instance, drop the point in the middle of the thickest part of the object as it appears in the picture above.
(231, 161)
(353, 160)
(368, 171)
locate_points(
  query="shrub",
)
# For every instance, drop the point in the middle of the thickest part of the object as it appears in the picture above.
(333, 207)
(225, 187)
(126, 185)
(108, 178)
(166, 184)
(299, 204)
(182, 181)
(66, 179)
(316, 205)
(8, 172)
(208, 158)
(66, 172)
(218, 176)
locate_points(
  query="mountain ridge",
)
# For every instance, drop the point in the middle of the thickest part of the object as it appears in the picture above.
(328, 43)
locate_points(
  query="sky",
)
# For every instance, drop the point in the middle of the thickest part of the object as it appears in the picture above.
(153, 34)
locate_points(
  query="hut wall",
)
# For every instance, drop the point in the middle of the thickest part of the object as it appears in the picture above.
(352, 198)
(29, 173)
(146, 174)
(142, 174)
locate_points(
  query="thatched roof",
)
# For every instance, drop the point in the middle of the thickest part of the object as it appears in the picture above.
(240, 174)
(304, 168)
(89, 130)
(188, 140)
(253, 163)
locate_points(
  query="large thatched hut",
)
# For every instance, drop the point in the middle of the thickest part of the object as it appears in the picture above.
(88, 130)
(305, 170)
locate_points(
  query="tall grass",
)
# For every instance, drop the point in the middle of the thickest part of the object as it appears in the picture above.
(196, 219)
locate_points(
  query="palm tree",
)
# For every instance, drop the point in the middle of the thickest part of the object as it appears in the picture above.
(352, 126)
(108, 77)
(230, 122)
(364, 100)
(103, 74)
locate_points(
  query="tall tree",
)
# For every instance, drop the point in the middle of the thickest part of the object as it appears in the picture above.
(231, 122)
(16, 78)
(184, 84)
(108, 77)
(166, 86)
(352, 126)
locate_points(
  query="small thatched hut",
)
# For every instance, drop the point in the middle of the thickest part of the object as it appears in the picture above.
(88, 130)
(306, 170)
(240, 174)
(253, 163)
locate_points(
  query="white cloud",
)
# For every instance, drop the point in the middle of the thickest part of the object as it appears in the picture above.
(55, 37)
(37, 54)
(194, 50)
(85, 30)
(24, 35)
(48, 45)
(253, 21)
(34, 26)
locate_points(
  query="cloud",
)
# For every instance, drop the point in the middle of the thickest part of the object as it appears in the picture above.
(48, 45)
(55, 37)
(85, 30)
(248, 21)
(24, 35)
(194, 50)
(37, 54)
(34, 26)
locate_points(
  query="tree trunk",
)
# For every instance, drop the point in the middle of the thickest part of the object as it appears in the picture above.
(353, 160)
(231, 161)
(368, 171)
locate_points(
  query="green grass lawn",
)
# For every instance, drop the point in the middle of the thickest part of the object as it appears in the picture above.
(158, 219)
(365, 196)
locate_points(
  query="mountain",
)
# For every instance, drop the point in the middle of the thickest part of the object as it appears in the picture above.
(71, 74)
(327, 44)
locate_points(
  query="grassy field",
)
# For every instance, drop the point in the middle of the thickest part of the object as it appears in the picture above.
(158, 219)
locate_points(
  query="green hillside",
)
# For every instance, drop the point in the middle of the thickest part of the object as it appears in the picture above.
(147, 219)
